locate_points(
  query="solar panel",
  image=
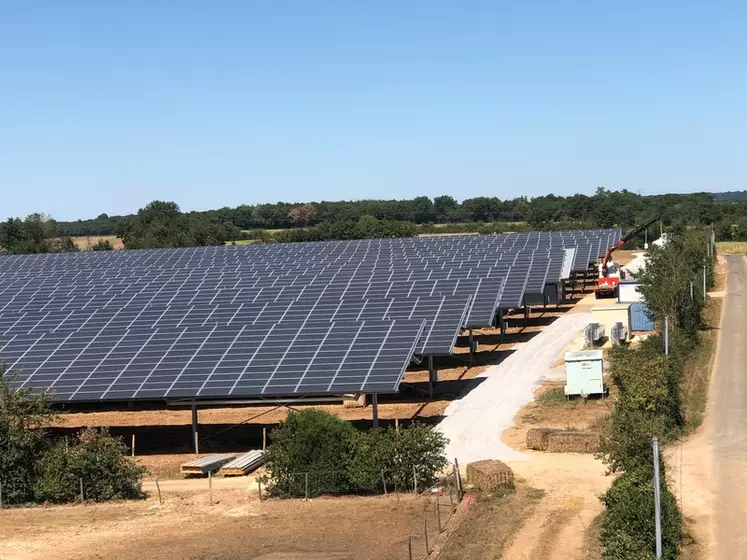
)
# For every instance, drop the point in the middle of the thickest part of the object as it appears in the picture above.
(285, 358)
(58, 305)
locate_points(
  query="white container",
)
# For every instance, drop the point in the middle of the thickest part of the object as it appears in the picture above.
(584, 372)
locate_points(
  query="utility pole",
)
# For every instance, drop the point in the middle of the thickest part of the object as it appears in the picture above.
(657, 495)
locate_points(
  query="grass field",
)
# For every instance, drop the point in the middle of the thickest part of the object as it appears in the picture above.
(732, 247)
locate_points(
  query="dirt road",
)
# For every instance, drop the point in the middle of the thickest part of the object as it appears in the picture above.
(729, 418)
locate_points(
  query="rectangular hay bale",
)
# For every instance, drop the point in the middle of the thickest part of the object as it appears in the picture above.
(537, 438)
(573, 442)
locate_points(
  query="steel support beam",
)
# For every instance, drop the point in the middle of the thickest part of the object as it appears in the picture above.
(195, 430)
(375, 409)
(432, 377)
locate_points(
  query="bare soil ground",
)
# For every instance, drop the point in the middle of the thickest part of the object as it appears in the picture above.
(238, 526)
(85, 242)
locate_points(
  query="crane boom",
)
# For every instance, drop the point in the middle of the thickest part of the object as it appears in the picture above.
(630, 235)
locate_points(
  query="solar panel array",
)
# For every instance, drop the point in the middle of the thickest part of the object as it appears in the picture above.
(265, 320)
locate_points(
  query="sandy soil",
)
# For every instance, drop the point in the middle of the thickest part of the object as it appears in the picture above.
(237, 526)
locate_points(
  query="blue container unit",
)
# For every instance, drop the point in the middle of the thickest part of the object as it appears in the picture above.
(639, 319)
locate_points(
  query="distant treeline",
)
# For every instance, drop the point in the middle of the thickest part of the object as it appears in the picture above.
(603, 209)
(162, 224)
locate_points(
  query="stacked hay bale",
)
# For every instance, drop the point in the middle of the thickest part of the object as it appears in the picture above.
(489, 476)
(563, 441)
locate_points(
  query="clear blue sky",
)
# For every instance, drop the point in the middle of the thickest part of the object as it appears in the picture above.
(107, 105)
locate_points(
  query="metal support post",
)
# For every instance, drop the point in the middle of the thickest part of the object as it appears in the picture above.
(692, 292)
(666, 336)
(195, 433)
(471, 342)
(375, 409)
(657, 496)
(502, 323)
(526, 315)
(432, 377)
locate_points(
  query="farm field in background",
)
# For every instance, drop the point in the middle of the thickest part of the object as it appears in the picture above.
(732, 247)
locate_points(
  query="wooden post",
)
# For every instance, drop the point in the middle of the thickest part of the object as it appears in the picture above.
(383, 482)
(82, 497)
(458, 477)
(396, 424)
(306, 482)
(425, 532)
(438, 513)
(1, 495)
(133, 445)
(210, 486)
(264, 438)
(451, 501)
(158, 487)
(409, 547)
(259, 489)
(415, 479)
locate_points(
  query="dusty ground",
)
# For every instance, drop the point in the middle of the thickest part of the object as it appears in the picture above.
(238, 526)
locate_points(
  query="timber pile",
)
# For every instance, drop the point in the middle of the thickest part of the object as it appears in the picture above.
(489, 476)
(574, 442)
(538, 438)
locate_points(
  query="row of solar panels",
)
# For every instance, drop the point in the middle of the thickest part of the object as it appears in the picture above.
(58, 313)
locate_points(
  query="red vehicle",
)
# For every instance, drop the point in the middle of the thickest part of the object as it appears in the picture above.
(609, 270)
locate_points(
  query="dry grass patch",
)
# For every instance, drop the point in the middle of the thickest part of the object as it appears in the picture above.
(732, 247)
(491, 525)
(698, 368)
(593, 542)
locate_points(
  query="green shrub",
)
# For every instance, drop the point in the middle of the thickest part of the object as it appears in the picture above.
(628, 528)
(339, 459)
(398, 456)
(97, 458)
(311, 441)
(21, 438)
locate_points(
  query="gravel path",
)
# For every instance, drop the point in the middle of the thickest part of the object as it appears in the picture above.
(474, 423)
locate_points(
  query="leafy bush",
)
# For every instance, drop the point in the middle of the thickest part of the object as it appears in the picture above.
(628, 529)
(340, 459)
(97, 458)
(33, 469)
(311, 441)
(21, 438)
(398, 456)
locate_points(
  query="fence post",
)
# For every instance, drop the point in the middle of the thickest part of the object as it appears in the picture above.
(210, 486)
(158, 487)
(133, 445)
(264, 438)
(307, 485)
(1, 495)
(705, 289)
(458, 478)
(425, 532)
(259, 489)
(438, 513)
(657, 496)
(383, 482)
(666, 336)
(415, 479)
(451, 500)
(82, 497)
(409, 547)
(692, 292)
